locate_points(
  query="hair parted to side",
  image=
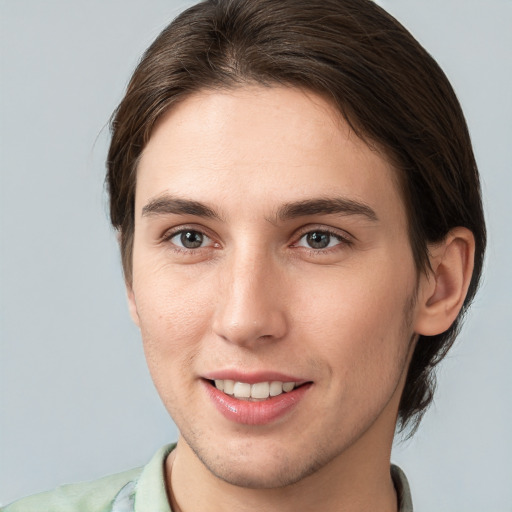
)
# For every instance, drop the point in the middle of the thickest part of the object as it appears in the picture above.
(387, 87)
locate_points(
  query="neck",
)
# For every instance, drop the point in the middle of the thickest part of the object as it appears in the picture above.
(357, 480)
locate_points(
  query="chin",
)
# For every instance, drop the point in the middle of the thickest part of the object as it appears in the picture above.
(253, 478)
(267, 469)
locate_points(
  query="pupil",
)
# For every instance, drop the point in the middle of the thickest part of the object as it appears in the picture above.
(191, 239)
(318, 240)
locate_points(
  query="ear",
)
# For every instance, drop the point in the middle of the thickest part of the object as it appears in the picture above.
(443, 290)
(132, 304)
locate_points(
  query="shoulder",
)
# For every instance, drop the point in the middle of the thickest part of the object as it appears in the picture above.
(94, 496)
(112, 493)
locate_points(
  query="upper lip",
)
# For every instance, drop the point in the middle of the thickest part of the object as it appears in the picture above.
(252, 377)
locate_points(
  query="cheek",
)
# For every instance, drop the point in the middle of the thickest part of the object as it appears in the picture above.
(357, 322)
(174, 316)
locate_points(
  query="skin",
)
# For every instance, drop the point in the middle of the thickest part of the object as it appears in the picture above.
(254, 296)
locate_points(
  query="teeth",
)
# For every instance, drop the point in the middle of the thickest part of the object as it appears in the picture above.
(228, 386)
(276, 388)
(288, 386)
(259, 391)
(242, 390)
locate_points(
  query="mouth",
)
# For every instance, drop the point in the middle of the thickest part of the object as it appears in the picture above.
(257, 403)
(257, 398)
(256, 392)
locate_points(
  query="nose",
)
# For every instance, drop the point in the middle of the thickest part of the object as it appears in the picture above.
(249, 308)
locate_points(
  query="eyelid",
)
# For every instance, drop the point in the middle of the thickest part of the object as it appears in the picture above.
(344, 237)
(336, 232)
(176, 230)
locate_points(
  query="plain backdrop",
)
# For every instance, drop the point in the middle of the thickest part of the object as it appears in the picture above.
(76, 400)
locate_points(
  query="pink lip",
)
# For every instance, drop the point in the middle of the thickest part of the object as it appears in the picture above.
(253, 377)
(255, 413)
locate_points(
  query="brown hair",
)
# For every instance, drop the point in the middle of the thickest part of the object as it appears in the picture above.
(383, 82)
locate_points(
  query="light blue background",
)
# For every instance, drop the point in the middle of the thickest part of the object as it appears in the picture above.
(76, 400)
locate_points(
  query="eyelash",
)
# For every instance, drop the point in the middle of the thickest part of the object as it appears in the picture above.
(169, 235)
(343, 240)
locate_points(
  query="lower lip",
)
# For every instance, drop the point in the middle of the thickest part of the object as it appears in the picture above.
(255, 413)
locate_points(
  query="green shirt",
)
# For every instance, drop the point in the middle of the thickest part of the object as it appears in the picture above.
(137, 490)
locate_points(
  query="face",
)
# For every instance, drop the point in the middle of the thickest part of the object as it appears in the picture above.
(273, 283)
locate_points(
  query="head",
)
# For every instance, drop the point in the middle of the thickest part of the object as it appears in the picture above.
(386, 88)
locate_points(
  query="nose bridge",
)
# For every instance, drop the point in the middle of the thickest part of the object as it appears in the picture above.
(248, 308)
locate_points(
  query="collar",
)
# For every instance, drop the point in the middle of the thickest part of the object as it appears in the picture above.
(148, 493)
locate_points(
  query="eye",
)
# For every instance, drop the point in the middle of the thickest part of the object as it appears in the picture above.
(190, 239)
(320, 240)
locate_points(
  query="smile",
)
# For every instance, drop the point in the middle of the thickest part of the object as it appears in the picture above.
(253, 392)
(256, 403)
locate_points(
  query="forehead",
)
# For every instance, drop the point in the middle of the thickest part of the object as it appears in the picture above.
(271, 144)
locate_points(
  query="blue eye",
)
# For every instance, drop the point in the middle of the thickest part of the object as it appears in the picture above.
(189, 239)
(319, 240)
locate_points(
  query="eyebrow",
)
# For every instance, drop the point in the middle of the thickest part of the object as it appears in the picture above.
(168, 205)
(325, 206)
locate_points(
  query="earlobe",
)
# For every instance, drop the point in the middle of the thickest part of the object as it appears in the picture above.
(443, 291)
(132, 304)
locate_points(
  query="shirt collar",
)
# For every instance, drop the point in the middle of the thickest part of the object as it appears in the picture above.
(150, 490)
(403, 492)
(149, 494)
